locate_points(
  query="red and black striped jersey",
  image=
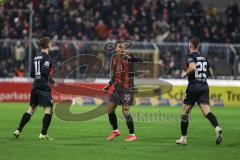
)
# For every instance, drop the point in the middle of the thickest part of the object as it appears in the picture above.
(122, 70)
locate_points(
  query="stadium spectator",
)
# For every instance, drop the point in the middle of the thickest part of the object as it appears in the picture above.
(232, 12)
(152, 21)
(87, 20)
(5, 51)
(101, 30)
(19, 52)
(20, 71)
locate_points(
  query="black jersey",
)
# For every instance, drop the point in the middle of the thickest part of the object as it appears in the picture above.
(198, 79)
(41, 72)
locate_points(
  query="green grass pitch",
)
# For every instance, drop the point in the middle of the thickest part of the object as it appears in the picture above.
(87, 140)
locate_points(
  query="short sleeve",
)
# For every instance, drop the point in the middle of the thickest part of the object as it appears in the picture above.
(46, 67)
(47, 63)
(190, 59)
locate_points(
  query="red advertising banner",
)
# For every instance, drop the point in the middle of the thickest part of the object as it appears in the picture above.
(20, 91)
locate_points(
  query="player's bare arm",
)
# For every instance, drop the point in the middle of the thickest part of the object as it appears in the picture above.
(197, 90)
(209, 72)
(41, 72)
(191, 68)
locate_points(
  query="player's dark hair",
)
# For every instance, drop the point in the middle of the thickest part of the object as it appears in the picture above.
(44, 42)
(195, 42)
(118, 42)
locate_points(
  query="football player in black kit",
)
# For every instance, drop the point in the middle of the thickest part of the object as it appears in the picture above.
(41, 72)
(197, 91)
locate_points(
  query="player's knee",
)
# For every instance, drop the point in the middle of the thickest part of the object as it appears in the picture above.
(51, 112)
(125, 111)
(48, 110)
(111, 111)
(187, 109)
(205, 109)
(186, 112)
(31, 110)
(111, 108)
(206, 113)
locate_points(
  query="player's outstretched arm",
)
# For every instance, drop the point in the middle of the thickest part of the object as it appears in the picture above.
(135, 59)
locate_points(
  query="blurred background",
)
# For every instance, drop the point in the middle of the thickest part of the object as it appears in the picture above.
(159, 30)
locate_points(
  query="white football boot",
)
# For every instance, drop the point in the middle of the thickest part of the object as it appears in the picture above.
(218, 132)
(182, 140)
(17, 133)
(45, 137)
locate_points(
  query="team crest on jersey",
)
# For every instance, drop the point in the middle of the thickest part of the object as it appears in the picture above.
(190, 60)
(47, 63)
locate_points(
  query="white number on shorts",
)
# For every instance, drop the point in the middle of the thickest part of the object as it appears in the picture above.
(127, 97)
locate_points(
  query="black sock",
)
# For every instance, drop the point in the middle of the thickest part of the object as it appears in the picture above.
(130, 124)
(45, 123)
(25, 118)
(184, 124)
(212, 119)
(113, 120)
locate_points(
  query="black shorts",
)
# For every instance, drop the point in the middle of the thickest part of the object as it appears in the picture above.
(41, 98)
(199, 96)
(122, 96)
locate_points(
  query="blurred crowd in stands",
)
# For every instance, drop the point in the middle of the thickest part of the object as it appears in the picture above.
(137, 20)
